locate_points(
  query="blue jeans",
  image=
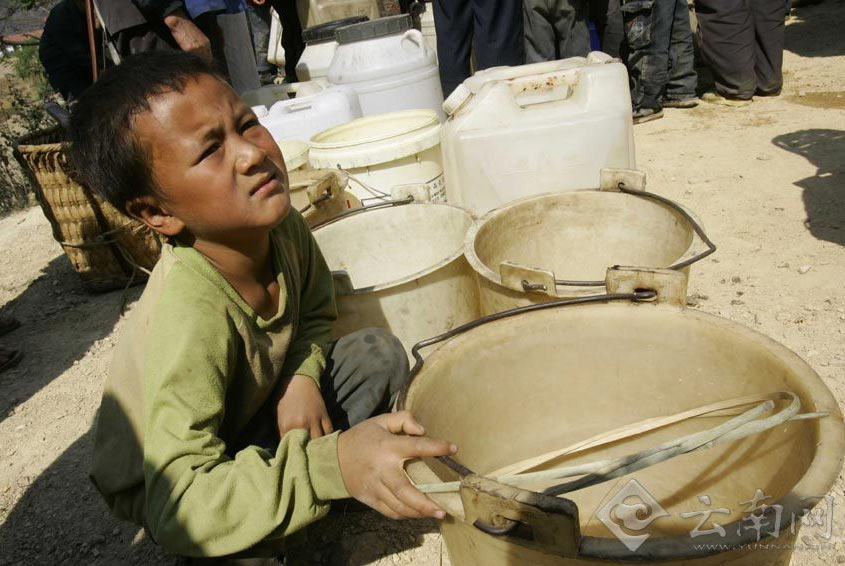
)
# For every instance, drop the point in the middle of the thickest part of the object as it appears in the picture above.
(659, 51)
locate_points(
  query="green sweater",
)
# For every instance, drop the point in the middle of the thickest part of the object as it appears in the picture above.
(193, 366)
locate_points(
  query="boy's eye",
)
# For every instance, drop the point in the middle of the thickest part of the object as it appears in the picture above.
(249, 124)
(209, 151)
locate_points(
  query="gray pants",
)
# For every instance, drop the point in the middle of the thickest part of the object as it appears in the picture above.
(742, 42)
(660, 54)
(555, 29)
(231, 46)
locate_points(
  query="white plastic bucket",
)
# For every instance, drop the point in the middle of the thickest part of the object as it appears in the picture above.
(519, 131)
(387, 156)
(403, 269)
(393, 70)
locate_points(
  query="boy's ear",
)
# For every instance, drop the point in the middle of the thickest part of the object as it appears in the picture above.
(148, 210)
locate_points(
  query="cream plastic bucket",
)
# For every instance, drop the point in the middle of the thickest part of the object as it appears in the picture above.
(538, 381)
(402, 268)
(387, 156)
(295, 153)
(538, 249)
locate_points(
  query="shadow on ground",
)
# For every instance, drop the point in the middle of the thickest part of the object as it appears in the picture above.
(61, 519)
(60, 321)
(824, 192)
(814, 32)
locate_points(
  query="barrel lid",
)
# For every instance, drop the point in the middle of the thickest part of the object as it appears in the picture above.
(381, 27)
(375, 139)
(325, 32)
(295, 153)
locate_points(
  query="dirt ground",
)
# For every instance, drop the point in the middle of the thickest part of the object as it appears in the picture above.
(768, 181)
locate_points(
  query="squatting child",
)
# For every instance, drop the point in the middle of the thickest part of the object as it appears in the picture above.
(219, 425)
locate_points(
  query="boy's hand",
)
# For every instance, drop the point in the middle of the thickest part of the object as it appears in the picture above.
(372, 455)
(187, 35)
(301, 405)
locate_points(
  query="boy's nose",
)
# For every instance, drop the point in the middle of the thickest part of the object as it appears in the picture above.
(249, 155)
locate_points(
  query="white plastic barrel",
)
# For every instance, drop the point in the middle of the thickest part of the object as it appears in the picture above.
(401, 268)
(320, 46)
(389, 66)
(519, 131)
(387, 156)
(295, 153)
(301, 117)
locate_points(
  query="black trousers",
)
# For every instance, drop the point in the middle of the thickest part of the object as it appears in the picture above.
(742, 42)
(555, 29)
(493, 29)
(608, 19)
(291, 35)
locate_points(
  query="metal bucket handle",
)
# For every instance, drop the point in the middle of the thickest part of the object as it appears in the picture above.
(354, 211)
(623, 181)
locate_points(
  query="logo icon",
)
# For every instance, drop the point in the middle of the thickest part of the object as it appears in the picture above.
(633, 508)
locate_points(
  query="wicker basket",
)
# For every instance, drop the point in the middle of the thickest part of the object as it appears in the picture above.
(107, 249)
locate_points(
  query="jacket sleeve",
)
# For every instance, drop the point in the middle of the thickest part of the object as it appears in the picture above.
(317, 309)
(199, 501)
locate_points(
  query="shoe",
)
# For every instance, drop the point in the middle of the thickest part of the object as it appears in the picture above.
(680, 102)
(716, 98)
(759, 92)
(642, 115)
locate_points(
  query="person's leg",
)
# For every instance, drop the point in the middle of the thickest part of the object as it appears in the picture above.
(259, 24)
(769, 31)
(453, 20)
(572, 29)
(647, 30)
(538, 30)
(364, 372)
(683, 79)
(291, 35)
(497, 33)
(238, 55)
(726, 34)
(612, 32)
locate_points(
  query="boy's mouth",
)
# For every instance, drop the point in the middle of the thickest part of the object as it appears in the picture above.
(269, 184)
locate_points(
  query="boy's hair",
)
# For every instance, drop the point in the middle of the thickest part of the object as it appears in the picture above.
(106, 154)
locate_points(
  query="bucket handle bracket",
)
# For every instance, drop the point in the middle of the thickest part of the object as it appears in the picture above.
(613, 179)
(669, 285)
(528, 279)
(533, 520)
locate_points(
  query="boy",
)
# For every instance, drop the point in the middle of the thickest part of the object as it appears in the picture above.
(232, 328)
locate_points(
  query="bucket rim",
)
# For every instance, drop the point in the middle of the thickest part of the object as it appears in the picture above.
(484, 271)
(823, 469)
(416, 275)
(421, 133)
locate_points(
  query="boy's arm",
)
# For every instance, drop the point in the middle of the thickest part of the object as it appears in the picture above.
(199, 501)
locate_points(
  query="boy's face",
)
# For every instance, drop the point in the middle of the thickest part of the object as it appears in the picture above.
(219, 173)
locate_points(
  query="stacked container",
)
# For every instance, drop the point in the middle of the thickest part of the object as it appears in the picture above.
(388, 64)
(320, 46)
